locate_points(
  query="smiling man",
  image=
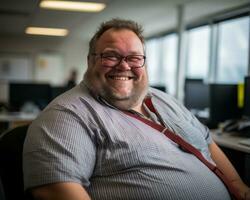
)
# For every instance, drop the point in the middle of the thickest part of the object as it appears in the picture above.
(113, 137)
(122, 81)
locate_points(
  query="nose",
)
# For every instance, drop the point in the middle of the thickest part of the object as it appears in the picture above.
(123, 65)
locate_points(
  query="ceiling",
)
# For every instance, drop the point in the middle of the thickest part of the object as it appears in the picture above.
(16, 15)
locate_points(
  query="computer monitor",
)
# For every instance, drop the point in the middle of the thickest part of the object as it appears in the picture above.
(21, 93)
(196, 94)
(57, 90)
(223, 103)
(246, 108)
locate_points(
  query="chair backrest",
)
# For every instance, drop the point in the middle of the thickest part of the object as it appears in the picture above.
(11, 173)
(2, 195)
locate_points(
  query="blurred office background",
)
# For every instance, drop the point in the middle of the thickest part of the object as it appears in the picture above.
(187, 41)
(197, 51)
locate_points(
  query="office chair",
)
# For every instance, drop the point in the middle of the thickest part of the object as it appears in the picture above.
(2, 195)
(11, 173)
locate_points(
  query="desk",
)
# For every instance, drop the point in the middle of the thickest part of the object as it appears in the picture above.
(237, 153)
(230, 140)
(11, 120)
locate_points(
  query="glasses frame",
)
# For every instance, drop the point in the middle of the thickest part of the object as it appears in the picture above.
(121, 58)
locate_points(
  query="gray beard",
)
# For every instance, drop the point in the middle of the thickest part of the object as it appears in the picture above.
(122, 103)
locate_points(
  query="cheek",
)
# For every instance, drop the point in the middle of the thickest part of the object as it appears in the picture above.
(140, 72)
(99, 70)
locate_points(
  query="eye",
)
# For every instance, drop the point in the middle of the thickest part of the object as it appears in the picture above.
(111, 57)
(135, 58)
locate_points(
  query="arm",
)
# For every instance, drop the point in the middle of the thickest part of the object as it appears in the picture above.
(60, 191)
(228, 170)
(52, 154)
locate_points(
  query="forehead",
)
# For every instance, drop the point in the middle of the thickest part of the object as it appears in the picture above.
(123, 39)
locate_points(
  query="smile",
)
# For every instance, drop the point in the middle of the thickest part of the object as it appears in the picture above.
(120, 78)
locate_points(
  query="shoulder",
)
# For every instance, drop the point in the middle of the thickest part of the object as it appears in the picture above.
(174, 110)
(74, 109)
(77, 101)
(72, 97)
(163, 98)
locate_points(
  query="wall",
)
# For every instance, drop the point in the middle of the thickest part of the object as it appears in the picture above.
(15, 66)
(71, 50)
(75, 55)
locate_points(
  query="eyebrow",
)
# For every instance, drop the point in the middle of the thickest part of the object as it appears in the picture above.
(116, 52)
(110, 51)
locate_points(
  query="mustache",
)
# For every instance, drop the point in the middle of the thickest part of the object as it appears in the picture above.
(119, 73)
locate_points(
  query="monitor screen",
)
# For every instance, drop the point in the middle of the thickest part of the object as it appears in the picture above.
(196, 94)
(57, 90)
(21, 93)
(223, 103)
(246, 109)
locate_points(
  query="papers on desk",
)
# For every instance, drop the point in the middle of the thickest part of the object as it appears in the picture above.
(201, 113)
(245, 142)
(17, 116)
(231, 140)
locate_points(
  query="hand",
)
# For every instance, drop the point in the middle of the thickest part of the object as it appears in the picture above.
(243, 189)
(244, 193)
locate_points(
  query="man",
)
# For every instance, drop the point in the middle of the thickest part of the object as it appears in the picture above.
(90, 144)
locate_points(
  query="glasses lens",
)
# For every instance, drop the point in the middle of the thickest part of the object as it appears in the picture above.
(135, 60)
(110, 60)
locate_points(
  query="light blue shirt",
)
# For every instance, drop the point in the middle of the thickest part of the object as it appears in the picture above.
(114, 156)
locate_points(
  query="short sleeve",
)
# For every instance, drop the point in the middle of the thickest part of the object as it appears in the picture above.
(59, 147)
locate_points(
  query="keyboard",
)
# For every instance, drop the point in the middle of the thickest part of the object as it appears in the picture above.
(245, 142)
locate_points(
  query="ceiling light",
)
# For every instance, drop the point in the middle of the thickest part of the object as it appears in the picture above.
(72, 6)
(46, 31)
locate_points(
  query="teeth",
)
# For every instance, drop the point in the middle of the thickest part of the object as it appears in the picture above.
(120, 78)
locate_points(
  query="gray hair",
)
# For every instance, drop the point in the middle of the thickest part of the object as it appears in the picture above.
(117, 24)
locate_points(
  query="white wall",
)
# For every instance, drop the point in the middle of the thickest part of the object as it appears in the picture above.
(75, 56)
(15, 67)
(73, 51)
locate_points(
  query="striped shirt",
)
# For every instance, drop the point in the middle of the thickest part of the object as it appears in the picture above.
(114, 156)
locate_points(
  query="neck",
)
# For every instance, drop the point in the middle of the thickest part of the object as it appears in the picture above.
(140, 109)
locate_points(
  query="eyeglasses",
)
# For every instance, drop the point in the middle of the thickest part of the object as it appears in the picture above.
(112, 60)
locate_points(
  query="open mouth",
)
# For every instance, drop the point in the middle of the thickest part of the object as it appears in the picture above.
(121, 78)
